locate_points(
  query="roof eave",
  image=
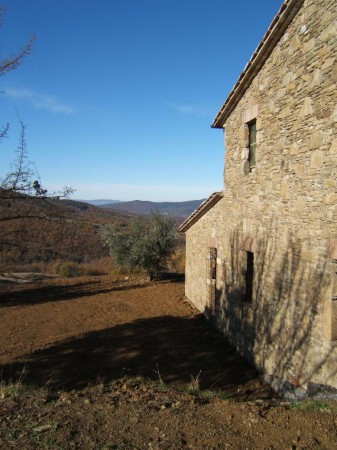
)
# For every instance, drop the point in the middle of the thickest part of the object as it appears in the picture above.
(200, 211)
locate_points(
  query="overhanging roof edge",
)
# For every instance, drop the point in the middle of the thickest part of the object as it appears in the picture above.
(200, 211)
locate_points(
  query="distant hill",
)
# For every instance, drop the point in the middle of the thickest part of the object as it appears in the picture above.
(98, 202)
(68, 230)
(140, 207)
(86, 211)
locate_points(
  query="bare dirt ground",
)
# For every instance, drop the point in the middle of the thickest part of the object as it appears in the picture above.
(127, 364)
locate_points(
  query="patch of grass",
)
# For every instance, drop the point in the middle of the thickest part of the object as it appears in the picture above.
(16, 389)
(195, 382)
(11, 390)
(315, 405)
(193, 388)
(203, 393)
(45, 442)
(159, 385)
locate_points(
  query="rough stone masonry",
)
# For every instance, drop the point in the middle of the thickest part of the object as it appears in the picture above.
(274, 225)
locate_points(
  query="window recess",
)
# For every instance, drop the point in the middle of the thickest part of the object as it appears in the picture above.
(249, 277)
(251, 144)
(211, 279)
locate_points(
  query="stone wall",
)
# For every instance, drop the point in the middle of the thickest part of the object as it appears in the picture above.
(284, 211)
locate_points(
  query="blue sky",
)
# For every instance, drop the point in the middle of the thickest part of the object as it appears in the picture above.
(118, 95)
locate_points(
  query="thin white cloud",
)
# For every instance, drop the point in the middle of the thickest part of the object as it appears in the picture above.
(126, 192)
(40, 101)
(188, 109)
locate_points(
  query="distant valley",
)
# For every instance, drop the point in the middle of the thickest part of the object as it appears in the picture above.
(39, 234)
(141, 207)
(98, 202)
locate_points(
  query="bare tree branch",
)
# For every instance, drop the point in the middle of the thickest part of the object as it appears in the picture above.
(20, 182)
(4, 131)
(9, 63)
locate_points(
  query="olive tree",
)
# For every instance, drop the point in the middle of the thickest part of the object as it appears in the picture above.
(145, 244)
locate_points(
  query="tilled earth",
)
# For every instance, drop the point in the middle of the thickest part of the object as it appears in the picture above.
(71, 332)
(127, 364)
(136, 414)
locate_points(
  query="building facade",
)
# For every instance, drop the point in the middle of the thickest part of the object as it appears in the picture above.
(261, 256)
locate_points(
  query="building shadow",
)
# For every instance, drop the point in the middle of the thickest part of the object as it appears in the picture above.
(173, 349)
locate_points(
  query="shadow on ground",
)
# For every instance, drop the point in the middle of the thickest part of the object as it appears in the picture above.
(173, 277)
(32, 296)
(173, 348)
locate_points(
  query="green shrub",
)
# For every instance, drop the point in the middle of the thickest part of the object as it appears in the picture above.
(146, 245)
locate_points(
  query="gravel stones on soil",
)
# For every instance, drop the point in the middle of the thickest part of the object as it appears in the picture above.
(138, 414)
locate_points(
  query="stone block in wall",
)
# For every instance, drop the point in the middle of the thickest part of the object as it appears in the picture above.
(317, 139)
(250, 113)
(248, 244)
(329, 32)
(288, 78)
(244, 132)
(272, 128)
(244, 154)
(330, 320)
(285, 112)
(333, 148)
(332, 249)
(299, 169)
(329, 184)
(331, 199)
(284, 190)
(316, 159)
(316, 78)
(307, 107)
(300, 204)
(245, 167)
(334, 72)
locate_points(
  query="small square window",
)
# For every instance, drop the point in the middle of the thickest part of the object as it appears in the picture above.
(251, 144)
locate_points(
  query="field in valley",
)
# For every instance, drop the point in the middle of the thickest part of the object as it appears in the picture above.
(123, 363)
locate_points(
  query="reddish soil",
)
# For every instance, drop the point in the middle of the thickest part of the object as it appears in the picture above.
(68, 332)
(93, 344)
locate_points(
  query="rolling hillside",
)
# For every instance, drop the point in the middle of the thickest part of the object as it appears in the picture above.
(139, 207)
(34, 230)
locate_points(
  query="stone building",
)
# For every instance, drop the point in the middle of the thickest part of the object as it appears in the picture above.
(261, 256)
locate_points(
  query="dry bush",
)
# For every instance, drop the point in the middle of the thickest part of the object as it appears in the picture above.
(20, 268)
(101, 266)
(70, 269)
(177, 261)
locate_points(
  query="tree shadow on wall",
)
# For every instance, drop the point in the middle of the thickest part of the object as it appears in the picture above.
(281, 329)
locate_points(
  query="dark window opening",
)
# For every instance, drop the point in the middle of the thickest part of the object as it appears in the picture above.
(249, 277)
(252, 144)
(211, 279)
(213, 256)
